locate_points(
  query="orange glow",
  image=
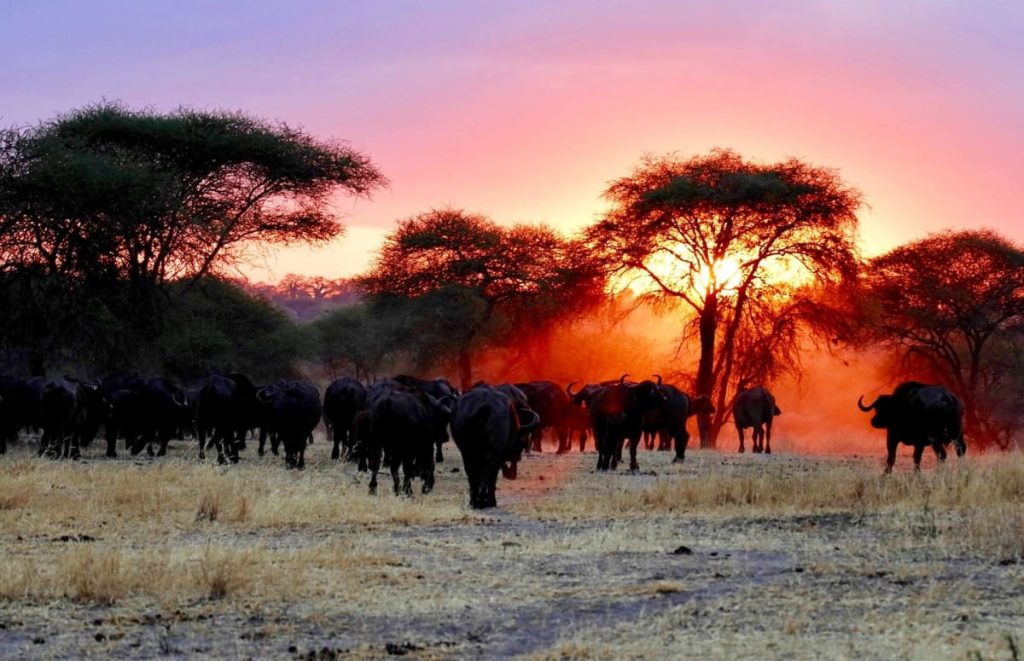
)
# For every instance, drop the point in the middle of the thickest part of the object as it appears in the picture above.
(723, 277)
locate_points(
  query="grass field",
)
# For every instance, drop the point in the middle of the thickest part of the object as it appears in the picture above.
(728, 555)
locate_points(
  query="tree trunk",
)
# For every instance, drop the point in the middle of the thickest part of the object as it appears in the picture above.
(705, 368)
(465, 370)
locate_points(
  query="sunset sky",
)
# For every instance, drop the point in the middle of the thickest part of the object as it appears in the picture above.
(525, 110)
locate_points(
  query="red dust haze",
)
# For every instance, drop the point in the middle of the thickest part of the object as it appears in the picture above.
(819, 407)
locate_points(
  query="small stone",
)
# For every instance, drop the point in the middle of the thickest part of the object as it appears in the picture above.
(683, 550)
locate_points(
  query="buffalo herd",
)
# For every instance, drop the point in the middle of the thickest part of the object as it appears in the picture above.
(402, 422)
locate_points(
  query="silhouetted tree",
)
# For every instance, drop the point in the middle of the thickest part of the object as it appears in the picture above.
(525, 273)
(729, 239)
(103, 209)
(953, 305)
(106, 192)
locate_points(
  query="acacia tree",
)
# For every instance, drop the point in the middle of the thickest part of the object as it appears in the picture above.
(103, 208)
(519, 275)
(728, 239)
(106, 192)
(952, 304)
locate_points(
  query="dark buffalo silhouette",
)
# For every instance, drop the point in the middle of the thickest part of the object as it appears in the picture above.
(616, 414)
(343, 399)
(144, 412)
(552, 404)
(669, 420)
(439, 389)
(919, 415)
(61, 414)
(293, 412)
(488, 425)
(19, 409)
(226, 409)
(755, 408)
(405, 425)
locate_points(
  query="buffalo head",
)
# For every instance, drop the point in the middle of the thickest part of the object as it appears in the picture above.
(886, 408)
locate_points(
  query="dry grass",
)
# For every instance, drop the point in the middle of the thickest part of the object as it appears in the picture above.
(311, 551)
(978, 505)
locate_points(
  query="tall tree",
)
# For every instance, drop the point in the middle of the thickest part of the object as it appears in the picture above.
(729, 239)
(525, 273)
(116, 205)
(106, 192)
(952, 304)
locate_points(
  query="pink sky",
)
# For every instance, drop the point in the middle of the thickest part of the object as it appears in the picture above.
(525, 110)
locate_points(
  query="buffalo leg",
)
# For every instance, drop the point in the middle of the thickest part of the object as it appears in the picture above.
(634, 443)
(473, 477)
(890, 458)
(682, 440)
(219, 441)
(336, 448)
(202, 444)
(111, 440)
(740, 430)
(768, 437)
(427, 471)
(492, 487)
(408, 472)
(438, 455)
(393, 464)
(373, 462)
(583, 442)
(918, 451)
(563, 439)
(940, 450)
(165, 438)
(510, 471)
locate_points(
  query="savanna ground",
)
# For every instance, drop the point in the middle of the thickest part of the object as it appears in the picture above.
(727, 555)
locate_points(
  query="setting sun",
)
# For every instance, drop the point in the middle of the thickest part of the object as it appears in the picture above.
(724, 276)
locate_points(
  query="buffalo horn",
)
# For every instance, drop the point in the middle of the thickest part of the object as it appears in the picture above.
(862, 407)
(622, 379)
(659, 378)
(531, 422)
(568, 389)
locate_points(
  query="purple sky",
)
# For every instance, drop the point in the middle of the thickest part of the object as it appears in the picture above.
(525, 110)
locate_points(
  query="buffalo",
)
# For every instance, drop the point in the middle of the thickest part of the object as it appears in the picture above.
(439, 389)
(343, 399)
(488, 428)
(670, 418)
(226, 409)
(405, 427)
(616, 413)
(919, 415)
(552, 404)
(755, 408)
(293, 411)
(144, 412)
(61, 414)
(20, 407)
